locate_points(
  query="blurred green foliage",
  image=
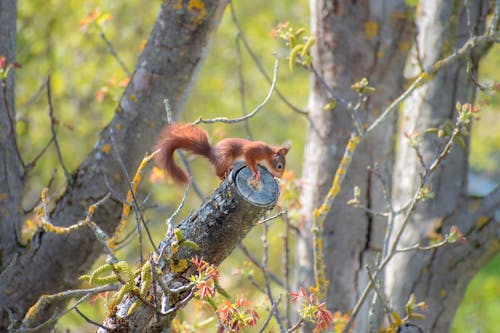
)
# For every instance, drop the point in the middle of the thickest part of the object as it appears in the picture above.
(481, 305)
(51, 41)
(485, 136)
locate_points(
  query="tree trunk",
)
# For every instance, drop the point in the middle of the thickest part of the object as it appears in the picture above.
(440, 277)
(10, 166)
(357, 39)
(166, 69)
(354, 40)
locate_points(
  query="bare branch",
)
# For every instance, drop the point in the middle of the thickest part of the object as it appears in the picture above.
(438, 65)
(12, 124)
(265, 271)
(251, 114)
(185, 162)
(256, 262)
(241, 82)
(88, 320)
(257, 61)
(132, 191)
(32, 164)
(53, 123)
(274, 308)
(113, 51)
(46, 300)
(170, 220)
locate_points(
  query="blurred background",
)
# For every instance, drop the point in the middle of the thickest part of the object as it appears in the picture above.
(58, 38)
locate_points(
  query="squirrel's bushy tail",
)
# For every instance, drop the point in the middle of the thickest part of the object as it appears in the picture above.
(181, 136)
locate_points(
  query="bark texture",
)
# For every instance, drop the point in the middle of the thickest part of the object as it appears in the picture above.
(10, 166)
(354, 40)
(166, 69)
(369, 38)
(440, 277)
(217, 227)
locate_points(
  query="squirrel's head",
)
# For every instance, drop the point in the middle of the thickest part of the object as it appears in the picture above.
(279, 160)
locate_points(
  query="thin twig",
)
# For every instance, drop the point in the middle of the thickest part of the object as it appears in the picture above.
(265, 271)
(438, 65)
(496, 17)
(445, 151)
(101, 235)
(114, 192)
(193, 182)
(353, 110)
(390, 213)
(138, 213)
(131, 190)
(254, 261)
(170, 220)
(46, 300)
(12, 124)
(179, 304)
(347, 105)
(49, 185)
(380, 268)
(418, 247)
(379, 293)
(164, 245)
(32, 164)
(296, 326)
(113, 51)
(469, 21)
(53, 130)
(185, 162)
(34, 97)
(286, 266)
(371, 211)
(267, 219)
(420, 158)
(257, 62)
(270, 314)
(241, 85)
(418, 55)
(392, 248)
(251, 114)
(90, 321)
(470, 71)
(256, 284)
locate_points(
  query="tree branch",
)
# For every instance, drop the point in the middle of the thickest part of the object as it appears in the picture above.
(216, 228)
(167, 68)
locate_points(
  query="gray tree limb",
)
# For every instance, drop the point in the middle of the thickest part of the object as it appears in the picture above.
(440, 276)
(11, 184)
(167, 68)
(354, 40)
(217, 227)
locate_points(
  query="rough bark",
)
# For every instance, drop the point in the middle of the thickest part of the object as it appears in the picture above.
(440, 277)
(354, 40)
(10, 166)
(166, 69)
(216, 227)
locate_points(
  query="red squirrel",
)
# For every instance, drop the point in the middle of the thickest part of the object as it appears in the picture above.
(193, 139)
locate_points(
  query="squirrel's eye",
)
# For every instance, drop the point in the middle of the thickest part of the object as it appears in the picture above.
(279, 166)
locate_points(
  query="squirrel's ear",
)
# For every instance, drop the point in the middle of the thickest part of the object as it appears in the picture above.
(284, 150)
